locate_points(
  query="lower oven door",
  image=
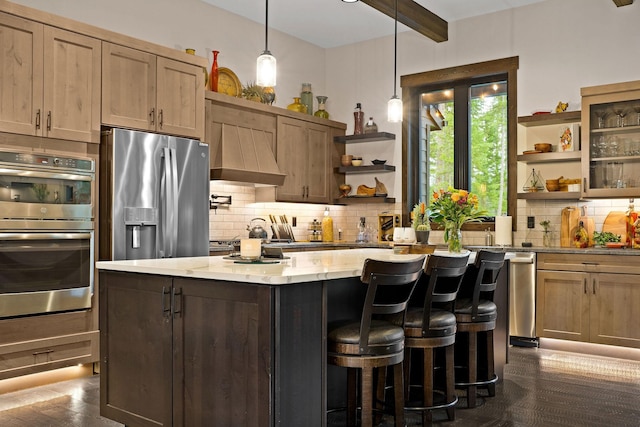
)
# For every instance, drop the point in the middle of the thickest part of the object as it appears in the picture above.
(45, 272)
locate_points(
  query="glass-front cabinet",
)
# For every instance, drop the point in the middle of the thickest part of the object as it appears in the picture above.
(611, 140)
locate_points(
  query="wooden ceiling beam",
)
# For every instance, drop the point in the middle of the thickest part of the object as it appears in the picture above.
(623, 2)
(415, 17)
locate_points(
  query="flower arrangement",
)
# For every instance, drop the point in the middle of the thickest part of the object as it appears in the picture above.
(420, 218)
(452, 208)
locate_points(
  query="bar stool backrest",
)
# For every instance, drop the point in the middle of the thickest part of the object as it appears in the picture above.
(389, 288)
(443, 276)
(485, 273)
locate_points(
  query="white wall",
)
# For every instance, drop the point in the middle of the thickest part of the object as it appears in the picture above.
(562, 46)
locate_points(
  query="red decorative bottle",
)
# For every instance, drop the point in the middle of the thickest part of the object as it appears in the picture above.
(213, 77)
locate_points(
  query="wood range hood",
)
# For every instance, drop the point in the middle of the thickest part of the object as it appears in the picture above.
(242, 154)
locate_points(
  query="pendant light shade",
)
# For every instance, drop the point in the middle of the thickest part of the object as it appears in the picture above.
(350, 1)
(266, 63)
(394, 106)
(394, 109)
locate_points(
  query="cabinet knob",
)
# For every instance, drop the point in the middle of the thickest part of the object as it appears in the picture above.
(38, 119)
(152, 116)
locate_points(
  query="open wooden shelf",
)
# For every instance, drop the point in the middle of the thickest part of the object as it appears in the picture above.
(550, 119)
(551, 195)
(366, 169)
(365, 137)
(355, 200)
(566, 156)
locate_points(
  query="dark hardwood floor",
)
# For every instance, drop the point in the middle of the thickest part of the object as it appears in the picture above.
(540, 388)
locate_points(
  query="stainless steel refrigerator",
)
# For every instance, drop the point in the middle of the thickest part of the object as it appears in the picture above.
(154, 196)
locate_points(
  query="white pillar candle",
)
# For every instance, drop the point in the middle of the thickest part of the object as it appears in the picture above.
(503, 231)
(250, 248)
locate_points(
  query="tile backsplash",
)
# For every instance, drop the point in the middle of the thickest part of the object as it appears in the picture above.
(231, 221)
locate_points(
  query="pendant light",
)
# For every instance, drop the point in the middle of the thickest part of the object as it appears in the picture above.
(394, 106)
(350, 1)
(266, 64)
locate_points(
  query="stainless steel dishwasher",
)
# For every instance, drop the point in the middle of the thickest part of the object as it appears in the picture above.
(522, 300)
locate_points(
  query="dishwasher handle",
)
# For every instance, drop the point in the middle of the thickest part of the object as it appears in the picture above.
(524, 259)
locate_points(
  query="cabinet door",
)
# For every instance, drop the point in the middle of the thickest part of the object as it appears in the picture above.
(615, 309)
(562, 305)
(292, 155)
(71, 86)
(180, 99)
(222, 357)
(20, 75)
(136, 349)
(129, 87)
(319, 161)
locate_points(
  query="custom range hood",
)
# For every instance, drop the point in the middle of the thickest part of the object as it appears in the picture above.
(244, 155)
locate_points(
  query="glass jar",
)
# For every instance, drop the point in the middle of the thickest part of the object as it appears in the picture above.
(306, 97)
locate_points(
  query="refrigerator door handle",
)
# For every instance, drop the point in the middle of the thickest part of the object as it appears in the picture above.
(172, 203)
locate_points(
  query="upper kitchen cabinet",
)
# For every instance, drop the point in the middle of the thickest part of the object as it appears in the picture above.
(611, 140)
(304, 155)
(50, 81)
(144, 91)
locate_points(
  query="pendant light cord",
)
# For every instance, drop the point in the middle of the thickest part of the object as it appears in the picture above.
(395, 52)
(266, 28)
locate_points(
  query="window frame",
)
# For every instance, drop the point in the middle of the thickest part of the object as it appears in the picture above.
(413, 85)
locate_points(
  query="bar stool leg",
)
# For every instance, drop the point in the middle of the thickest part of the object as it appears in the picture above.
(366, 397)
(398, 391)
(473, 369)
(450, 381)
(380, 393)
(491, 371)
(352, 398)
(427, 385)
(407, 370)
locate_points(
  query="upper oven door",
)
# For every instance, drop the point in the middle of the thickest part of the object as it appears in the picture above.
(32, 193)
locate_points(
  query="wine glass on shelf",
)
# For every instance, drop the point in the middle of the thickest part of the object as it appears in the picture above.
(601, 115)
(621, 114)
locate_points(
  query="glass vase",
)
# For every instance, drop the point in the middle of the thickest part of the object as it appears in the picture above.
(453, 236)
(322, 112)
(546, 239)
(297, 106)
(213, 77)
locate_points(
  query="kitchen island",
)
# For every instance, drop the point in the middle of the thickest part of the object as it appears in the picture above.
(210, 341)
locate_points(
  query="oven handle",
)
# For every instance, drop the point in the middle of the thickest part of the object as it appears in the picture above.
(42, 174)
(40, 236)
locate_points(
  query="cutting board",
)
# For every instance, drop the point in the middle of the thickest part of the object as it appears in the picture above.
(588, 224)
(616, 223)
(568, 222)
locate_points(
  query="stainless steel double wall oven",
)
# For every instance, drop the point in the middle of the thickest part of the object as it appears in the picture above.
(46, 233)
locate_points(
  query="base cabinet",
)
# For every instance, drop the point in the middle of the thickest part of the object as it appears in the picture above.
(189, 352)
(35, 344)
(593, 300)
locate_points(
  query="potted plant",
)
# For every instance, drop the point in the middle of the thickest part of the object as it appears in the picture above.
(420, 222)
(546, 233)
(452, 208)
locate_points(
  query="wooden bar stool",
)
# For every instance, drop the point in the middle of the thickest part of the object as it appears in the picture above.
(433, 326)
(376, 340)
(476, 314)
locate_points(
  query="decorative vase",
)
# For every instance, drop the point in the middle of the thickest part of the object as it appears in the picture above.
(268, 95)
(213, 77)
(358, 120)
(453, 236)
(422, 236)
(546, 239)
(297, 106)
(322, 113)
(306, 97)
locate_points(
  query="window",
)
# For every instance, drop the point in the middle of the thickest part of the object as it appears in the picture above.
(460, 130)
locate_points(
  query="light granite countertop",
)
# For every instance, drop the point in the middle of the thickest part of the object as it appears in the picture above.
(297, 267)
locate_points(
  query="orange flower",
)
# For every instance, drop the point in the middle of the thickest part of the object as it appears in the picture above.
(423, 208)
(455, 197)
(436, 195)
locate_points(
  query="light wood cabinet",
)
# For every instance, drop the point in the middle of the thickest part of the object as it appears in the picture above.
(589, 298)
(40, 343)
(611, 140)
(50, 82)
(153, 93)
(304, 155)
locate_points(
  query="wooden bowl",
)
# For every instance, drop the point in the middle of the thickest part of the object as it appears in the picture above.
(543, 147)
(553, 184)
